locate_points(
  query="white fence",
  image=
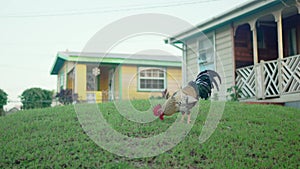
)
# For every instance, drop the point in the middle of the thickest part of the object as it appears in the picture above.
(270, 79)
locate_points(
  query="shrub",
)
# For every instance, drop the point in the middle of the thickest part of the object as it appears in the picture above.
(36, 98)
(235, 93)
(65, 96)
(3, 101)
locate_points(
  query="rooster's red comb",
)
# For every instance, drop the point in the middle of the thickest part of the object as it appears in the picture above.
(157, 110)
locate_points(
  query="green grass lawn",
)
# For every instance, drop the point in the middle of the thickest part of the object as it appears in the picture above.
(248, 136)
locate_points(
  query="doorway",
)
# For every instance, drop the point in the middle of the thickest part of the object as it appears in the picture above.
(111, 84)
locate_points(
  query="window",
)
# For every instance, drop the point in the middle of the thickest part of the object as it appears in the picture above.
(292, 40)
(206, 52)
(151, 79)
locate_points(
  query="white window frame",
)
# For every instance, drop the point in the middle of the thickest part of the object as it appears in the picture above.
(206, 50)
(164, 78)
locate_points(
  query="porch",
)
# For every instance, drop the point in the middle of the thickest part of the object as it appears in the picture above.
(91, 83)
(267, 56)
(278, 80)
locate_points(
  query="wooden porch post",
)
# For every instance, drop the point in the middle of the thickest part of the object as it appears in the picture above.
(258, 67)
(255, 46)
(278, 19)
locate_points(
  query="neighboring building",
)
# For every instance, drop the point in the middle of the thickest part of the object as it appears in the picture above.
(255, 46)
(106, 77)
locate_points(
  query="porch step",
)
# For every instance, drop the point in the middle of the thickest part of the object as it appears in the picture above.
(294, 97)
(265, 102)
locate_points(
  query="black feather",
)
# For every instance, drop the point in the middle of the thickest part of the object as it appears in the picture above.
(206, 82)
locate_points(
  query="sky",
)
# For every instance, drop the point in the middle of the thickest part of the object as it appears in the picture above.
(32, 32)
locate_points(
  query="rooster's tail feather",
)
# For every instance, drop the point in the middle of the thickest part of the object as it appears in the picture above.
(206, 81)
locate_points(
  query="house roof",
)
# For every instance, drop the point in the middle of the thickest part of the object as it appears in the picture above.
(227, 17)
(114, 58)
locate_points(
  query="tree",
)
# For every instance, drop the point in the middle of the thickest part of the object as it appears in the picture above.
(36, 98)
(3, 101)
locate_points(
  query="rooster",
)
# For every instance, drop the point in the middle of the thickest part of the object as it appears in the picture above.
(186, 98)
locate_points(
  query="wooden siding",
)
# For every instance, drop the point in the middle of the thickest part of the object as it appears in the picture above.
(62, 71)
(224, 58)
(80, 81)
(192, 59)
(125, 82)
(224, 42)
(70, 66)
(66, 68)
(130, 83)
(174, 79)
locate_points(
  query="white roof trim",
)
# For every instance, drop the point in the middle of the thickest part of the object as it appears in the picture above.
(222, 18)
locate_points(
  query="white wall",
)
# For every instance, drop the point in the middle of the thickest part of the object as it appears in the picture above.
(224, 58)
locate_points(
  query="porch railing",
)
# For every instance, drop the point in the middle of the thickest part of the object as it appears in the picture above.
(290, 74)
(270, 79)
(245, 80)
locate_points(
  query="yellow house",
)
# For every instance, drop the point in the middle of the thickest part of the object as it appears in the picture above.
(106, 77)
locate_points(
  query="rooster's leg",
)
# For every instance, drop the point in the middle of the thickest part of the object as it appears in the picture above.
(182, 117)
(189, 118)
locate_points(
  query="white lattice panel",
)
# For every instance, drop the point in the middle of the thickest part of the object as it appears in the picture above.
(245, 80)
(274, 78)
(271, 79)
(291, 74)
